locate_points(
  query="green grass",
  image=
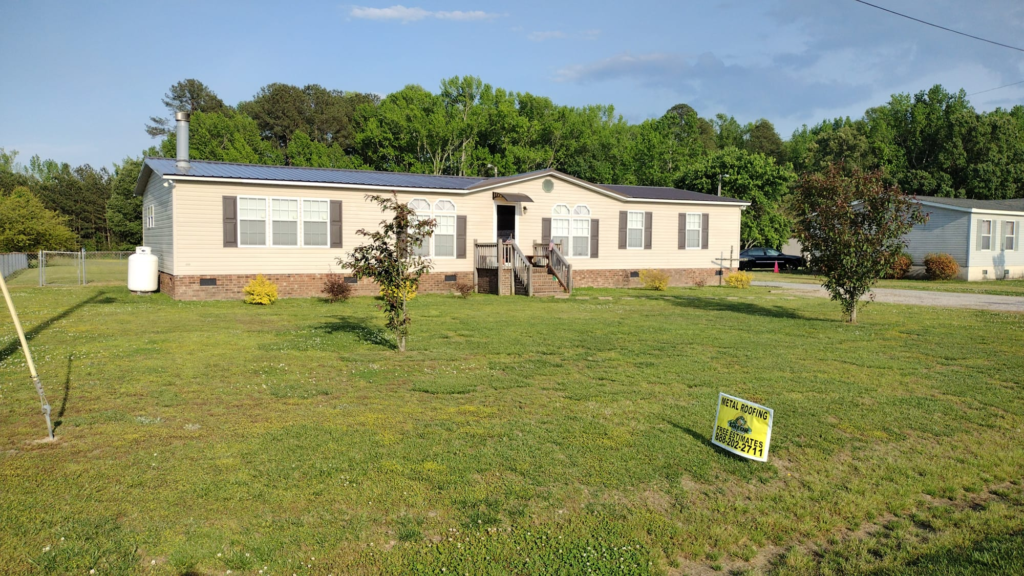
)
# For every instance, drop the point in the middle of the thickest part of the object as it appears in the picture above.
(996, 287)
(517, 435)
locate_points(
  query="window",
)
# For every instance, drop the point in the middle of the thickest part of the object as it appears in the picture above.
(285, 221)
(635, 230)
(444, 234)
(252, 221)
(986, 234)
(581, 231)
(560, 227)
(315, 217)
(693, 224)
(1010, 228)
(150, 219)
(771, 252)
(422, 212)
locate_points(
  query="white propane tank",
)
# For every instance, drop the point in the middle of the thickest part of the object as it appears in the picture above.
(143, 275)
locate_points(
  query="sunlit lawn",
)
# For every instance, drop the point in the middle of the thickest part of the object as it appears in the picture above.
(998, 287)
(517, 436)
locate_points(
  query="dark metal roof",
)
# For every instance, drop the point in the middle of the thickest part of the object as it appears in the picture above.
(510, 197)
(207, 169)
(1016, 205)
(235, 171)
(661, 193)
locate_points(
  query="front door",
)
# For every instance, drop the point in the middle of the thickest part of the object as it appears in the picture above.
(506, 222)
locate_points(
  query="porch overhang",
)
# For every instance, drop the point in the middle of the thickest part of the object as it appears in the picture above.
(510, 197)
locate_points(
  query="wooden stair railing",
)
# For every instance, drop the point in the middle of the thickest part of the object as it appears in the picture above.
(557, 263)
(522, 270)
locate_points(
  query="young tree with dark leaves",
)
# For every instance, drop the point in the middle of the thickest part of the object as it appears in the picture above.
(390, 260)
(852, 226)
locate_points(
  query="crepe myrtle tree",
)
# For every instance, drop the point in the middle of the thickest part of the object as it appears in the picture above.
(852, 225)
(389, 259)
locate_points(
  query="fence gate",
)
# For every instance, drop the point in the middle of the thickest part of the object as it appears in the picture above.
(68, 268)
(61, 268)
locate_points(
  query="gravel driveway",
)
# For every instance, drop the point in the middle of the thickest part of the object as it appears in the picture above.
(920, 297)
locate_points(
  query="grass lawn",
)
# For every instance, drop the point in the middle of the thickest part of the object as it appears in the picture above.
(517, 436)
(997, 287)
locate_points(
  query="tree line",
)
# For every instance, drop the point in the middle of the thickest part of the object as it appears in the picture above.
(931, 143)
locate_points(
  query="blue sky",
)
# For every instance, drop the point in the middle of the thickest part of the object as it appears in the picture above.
(79, 79)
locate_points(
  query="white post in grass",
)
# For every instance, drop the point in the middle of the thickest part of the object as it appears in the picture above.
(28, 357)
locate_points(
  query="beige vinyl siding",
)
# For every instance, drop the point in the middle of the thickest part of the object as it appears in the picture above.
(199, 239)
(946, 232)
(724, 228)
(160, 238)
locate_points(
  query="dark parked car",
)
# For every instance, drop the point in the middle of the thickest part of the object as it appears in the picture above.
(767, 257)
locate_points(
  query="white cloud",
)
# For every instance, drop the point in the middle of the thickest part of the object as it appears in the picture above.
(542, 36)
(413, 14)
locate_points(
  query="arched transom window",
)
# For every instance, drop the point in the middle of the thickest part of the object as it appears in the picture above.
(422, 209)
(581, 231)
(560, 227)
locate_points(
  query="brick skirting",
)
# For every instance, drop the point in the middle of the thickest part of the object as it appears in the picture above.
(622, 279)
(229, 286)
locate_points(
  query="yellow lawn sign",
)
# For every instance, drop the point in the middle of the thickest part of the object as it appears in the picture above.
(742, 427)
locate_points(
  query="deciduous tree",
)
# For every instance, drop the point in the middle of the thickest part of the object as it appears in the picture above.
(752, 177)
(27, 226)
(852, 227)
(389, 259)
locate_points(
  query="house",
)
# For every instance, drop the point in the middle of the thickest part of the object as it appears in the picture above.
(214, 226)
(982, 235)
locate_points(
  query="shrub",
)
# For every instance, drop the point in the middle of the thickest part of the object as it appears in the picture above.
(654, 280)
(464, 289)
(406, 291)
(336, 288)
(260, 291)
(899, 268)
(739, 279)
(941, 267)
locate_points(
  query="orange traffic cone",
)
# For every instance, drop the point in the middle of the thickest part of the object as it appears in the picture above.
(776, 266)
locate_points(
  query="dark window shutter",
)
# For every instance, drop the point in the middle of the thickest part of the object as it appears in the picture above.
(648, 232)
(682, 230)
(545, 231)
(622, 229)
(595, 230)
(336, 224)
(704, 230)
(460, 237)
(230, 205)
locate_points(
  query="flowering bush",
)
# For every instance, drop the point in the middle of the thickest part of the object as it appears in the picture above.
(941, 267)
(739, 279)
(654, 280)
(260, 291)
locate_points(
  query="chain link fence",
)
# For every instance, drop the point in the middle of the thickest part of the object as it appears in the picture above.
(12, 262)
(56, 268)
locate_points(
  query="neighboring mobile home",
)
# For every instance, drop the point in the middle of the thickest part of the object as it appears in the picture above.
(982, 235)
(215, 225)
